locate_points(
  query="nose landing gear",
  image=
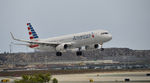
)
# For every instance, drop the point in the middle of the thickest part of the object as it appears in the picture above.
(102, 49)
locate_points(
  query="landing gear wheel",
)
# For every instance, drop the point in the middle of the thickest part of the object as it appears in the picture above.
(58, 53)
(102, 49)
(79, 53)
(101, 44)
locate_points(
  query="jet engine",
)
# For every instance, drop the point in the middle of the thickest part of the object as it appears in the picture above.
(89, 47)
(61, 47)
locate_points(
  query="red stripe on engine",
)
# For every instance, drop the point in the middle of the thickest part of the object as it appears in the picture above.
(33, 46)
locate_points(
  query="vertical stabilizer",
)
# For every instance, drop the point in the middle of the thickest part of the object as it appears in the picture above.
(32, 34)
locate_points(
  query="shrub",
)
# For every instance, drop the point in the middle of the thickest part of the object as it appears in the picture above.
(55, 80)
(37, 78)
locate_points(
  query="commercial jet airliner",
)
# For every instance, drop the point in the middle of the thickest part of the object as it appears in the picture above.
(90, 40)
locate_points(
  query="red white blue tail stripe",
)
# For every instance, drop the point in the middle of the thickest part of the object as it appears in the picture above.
(32, 32)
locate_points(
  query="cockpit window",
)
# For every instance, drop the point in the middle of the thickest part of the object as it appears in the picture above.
(104, 33)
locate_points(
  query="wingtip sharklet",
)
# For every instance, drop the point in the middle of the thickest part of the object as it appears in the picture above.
(12, 36)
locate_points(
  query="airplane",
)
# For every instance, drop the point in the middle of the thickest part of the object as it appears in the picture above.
(90, 40)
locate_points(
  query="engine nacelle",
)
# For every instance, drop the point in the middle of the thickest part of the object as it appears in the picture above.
(89, 47)
(61, 47)
(96, 46)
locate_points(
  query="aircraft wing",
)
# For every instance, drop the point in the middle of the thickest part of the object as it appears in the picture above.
(41, 42)
(35, 42)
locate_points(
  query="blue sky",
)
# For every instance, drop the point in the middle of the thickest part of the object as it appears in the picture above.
(127, 20)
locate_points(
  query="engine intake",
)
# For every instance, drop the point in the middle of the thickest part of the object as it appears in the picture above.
(65, 46)
(94, 46)
(61, 47)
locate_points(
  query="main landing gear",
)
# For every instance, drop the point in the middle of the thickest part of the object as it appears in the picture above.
(79, 53)
(58, 53)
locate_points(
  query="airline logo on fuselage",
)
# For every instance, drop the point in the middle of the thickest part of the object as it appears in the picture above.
(83, 36)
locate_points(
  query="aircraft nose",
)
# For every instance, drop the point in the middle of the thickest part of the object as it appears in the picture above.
(109, 36)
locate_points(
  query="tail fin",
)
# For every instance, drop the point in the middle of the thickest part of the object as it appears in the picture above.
(32, 33)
